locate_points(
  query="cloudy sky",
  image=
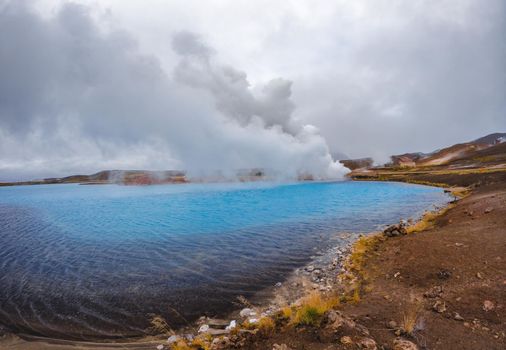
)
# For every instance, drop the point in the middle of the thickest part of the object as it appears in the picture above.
(224, 85)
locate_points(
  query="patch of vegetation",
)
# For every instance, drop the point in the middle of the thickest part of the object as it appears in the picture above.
(355, 261)
(286, 312)
(428, 220)
(356, 295)
(485, 159)
(411, 317)
(459, 192)
(266, 326)
(200, 343)
(312, 309)
(181, 345)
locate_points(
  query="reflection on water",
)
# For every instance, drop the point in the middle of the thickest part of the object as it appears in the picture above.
(96, 261)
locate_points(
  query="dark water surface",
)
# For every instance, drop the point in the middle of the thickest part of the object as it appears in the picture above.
(88, 262)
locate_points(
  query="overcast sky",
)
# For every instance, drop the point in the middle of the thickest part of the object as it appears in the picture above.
(207, 85)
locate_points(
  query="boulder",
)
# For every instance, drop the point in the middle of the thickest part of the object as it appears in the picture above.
(395, 230)
(220, 343)
(488, 306)
(367, 343)
(444, 274)
(346, 340)
(231, 325)
(333, 320)
(217, 323)
(280, 347)
(439, 306)
(434, 292)
(392, 324)
(204, 328)
(456, 316)
(403, 344)
(246, 312)
(173, 339)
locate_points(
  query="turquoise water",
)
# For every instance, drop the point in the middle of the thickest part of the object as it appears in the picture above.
(96, 261)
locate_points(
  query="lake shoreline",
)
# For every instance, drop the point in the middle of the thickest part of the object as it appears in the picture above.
(439, 287)
(321, 275)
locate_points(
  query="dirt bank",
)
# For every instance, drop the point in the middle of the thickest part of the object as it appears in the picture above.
(464, 255)
(442, 288)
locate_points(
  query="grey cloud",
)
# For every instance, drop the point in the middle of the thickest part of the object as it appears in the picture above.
(189, 44)
(423, 77)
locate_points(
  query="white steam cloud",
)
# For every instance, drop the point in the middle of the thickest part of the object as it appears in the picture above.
(75, 98)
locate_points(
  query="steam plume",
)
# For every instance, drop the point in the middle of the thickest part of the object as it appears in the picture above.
(77, 98)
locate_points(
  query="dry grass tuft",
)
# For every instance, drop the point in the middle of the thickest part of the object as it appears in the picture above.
(286, 312)
(460, 192)
(312, 309)
(182, 345)
(266, 326)
(356, 295)
(200, 343)
(410, 318)
(426, 222)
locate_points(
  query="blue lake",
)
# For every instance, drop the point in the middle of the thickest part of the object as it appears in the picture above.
(97, 261)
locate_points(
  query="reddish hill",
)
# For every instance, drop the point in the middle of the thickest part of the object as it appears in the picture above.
(449, 155)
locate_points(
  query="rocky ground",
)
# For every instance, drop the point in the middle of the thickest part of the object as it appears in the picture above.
(449, 281)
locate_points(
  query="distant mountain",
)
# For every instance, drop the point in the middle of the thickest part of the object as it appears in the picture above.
(145, 177)
(492, 139)
(457, 153)
(125, 177)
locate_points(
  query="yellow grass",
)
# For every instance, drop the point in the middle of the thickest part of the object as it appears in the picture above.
(428, 220)
(424, 223)
(199, 343)
(359, 252)
(460, 192)
(286, 312)
(312, 309)
(181, 345)
(356, 295)
(410, 316)
(266, 325)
